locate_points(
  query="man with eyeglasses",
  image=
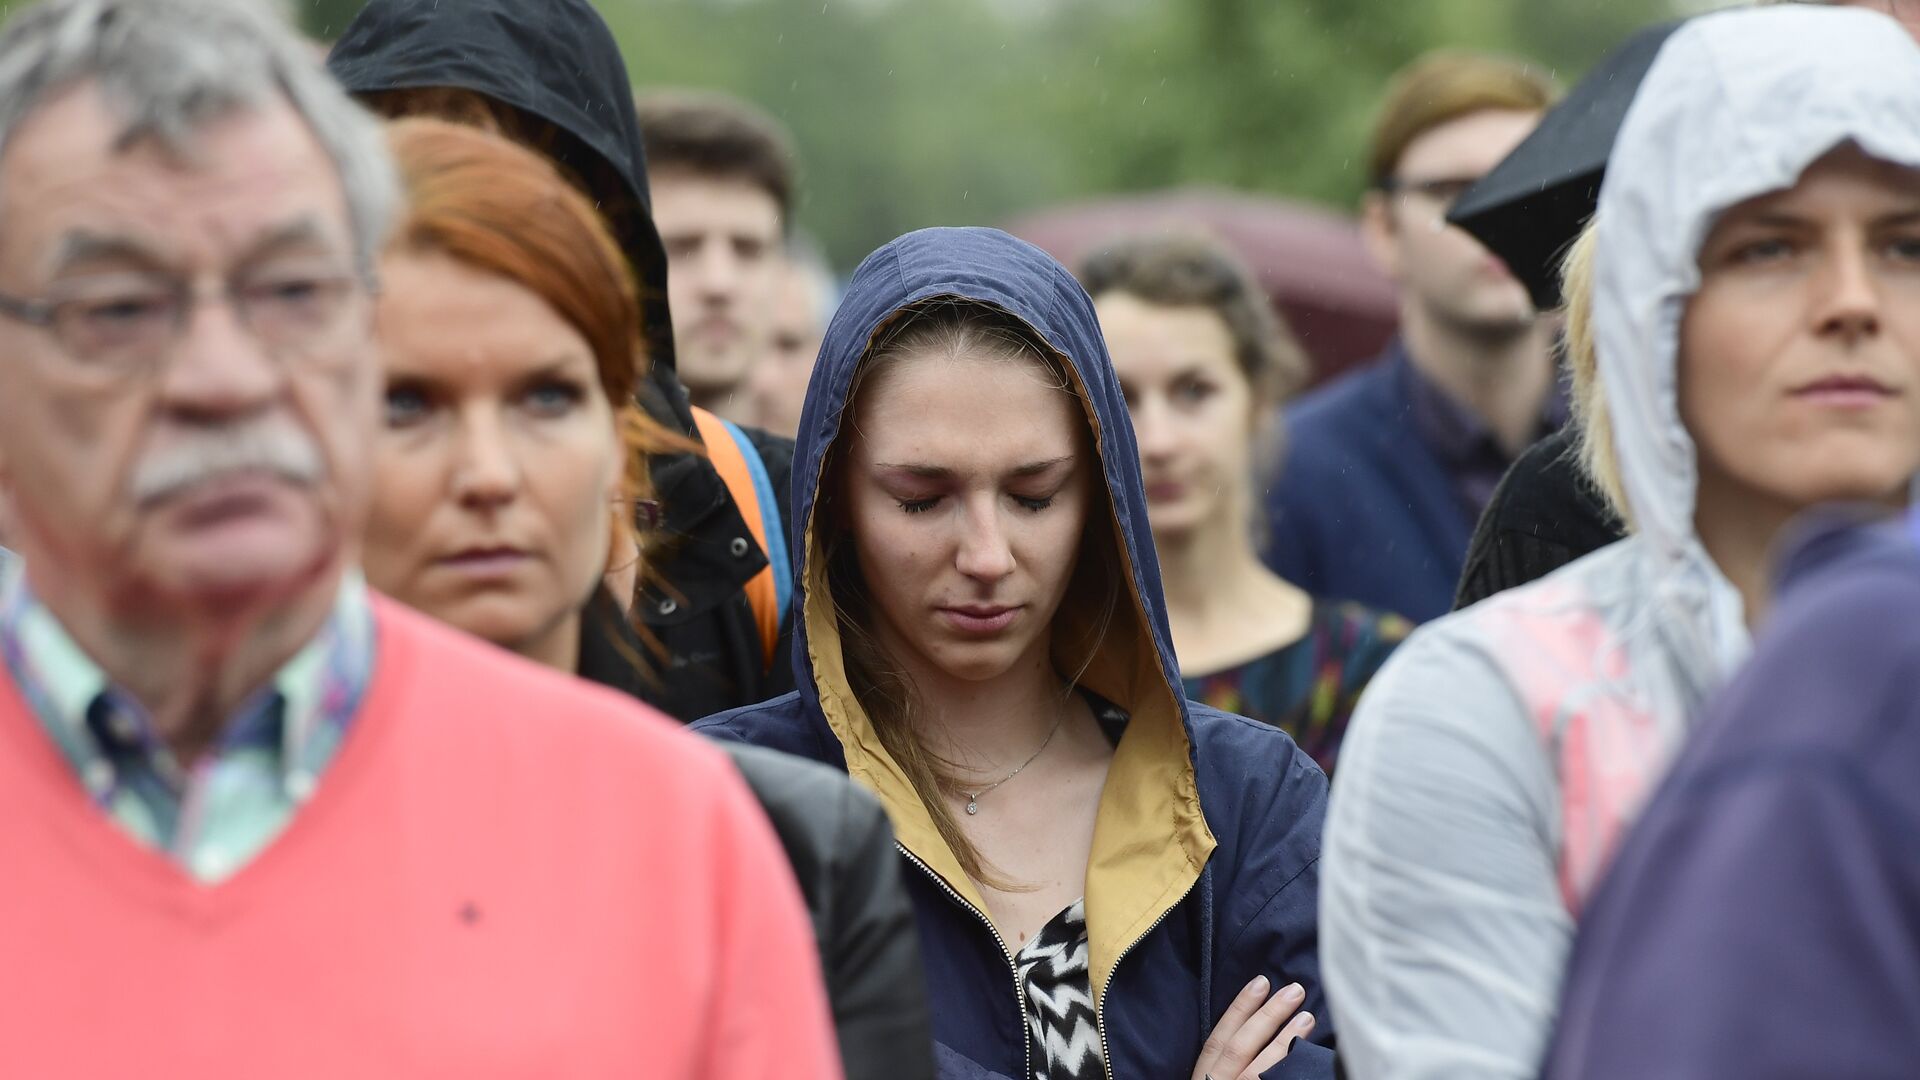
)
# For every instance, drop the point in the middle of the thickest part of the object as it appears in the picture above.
(254, 820)
(1387, 469)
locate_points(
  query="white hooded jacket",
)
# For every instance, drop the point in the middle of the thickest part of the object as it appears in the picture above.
(1495, 760)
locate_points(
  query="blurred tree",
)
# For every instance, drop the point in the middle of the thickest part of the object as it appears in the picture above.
(918, 112)
(1279, 97)
(325, 19)
(914, 112)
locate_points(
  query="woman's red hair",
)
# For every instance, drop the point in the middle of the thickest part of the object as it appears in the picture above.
(491, 204)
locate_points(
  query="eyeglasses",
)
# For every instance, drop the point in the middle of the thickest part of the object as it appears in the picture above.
(112, 328)
(1442, 191)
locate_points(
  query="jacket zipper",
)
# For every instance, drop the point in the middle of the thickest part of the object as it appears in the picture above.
(1019, 990)
(1100, 1007)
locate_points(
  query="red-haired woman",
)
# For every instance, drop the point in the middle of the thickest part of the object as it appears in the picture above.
(510, 335)
(511, 454)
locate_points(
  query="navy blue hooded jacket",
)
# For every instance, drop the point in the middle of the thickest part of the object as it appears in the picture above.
(1203, 867)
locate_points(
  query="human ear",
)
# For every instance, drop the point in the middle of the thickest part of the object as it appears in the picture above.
(1380, 232)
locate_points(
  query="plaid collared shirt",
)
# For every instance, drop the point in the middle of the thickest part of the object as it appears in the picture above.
(214, 816)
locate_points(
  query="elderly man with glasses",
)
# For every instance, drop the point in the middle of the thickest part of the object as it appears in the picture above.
(255, 820)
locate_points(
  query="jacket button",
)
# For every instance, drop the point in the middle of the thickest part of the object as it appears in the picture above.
(668, 607)
(740, 547)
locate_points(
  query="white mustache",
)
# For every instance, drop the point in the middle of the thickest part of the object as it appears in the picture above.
(271, 446)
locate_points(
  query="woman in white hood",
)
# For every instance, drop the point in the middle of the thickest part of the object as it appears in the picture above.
(1756, 310)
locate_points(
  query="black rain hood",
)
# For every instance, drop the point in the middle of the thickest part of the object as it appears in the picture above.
(555, 60)
(1151, 839)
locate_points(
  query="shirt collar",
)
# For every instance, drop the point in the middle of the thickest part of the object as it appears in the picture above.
(1456, 433)
(62, 683)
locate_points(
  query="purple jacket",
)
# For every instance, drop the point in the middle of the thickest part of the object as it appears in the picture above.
(1763, 918)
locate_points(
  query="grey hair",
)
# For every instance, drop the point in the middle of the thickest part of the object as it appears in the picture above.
(170, 67)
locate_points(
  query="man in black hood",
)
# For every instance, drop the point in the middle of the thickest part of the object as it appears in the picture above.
(550, 75)
(556, 68)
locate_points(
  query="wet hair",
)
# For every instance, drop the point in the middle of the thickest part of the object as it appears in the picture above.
(169, 68)
(1593, 428)
(500, 208)
(1442, 87)
(951, 327)
(1190, 270)
(718, 137)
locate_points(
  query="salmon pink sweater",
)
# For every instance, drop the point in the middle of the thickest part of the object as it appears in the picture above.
(505, 873)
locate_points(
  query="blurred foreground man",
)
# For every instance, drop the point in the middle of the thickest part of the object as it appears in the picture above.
(267, 823)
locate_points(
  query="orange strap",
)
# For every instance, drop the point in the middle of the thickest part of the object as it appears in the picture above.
(731, 464)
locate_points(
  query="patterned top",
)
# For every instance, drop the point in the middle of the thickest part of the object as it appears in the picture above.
(1309, 688)
(215, 816)
(1058, 984)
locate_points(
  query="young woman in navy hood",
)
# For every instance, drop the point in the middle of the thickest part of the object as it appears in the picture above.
(1109, 879)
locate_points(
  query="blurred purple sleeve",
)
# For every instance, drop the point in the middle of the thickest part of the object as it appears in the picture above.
(1763, 920)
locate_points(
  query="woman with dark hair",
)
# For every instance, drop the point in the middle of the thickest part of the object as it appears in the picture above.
(1104, 874)
(1205, 362)
(507, 471)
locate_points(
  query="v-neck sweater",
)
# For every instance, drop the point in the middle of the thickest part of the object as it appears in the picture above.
(504, 873)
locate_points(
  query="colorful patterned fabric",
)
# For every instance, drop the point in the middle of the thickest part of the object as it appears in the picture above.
(216, 815)
(1308, 689)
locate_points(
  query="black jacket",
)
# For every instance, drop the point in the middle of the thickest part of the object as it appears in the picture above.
(555, 60)
(842, 851)
(1544, 515)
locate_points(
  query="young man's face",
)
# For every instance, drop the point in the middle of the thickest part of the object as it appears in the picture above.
(1440, 266)
(722, 236)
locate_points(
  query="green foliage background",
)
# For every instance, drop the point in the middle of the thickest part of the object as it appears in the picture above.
(919, 112)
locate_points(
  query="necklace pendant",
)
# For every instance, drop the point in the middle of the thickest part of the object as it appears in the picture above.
(972, 807)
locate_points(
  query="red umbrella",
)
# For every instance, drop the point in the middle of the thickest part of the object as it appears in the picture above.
(1310, 261)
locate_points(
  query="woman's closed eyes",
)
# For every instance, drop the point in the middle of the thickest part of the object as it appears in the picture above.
(1030, 503)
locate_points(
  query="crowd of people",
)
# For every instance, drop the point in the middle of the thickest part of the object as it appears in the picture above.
(481, 598)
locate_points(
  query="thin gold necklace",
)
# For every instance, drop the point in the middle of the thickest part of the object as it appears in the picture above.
(974, 797)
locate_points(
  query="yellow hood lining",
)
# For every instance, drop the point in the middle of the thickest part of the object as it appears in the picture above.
(1150, 838)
